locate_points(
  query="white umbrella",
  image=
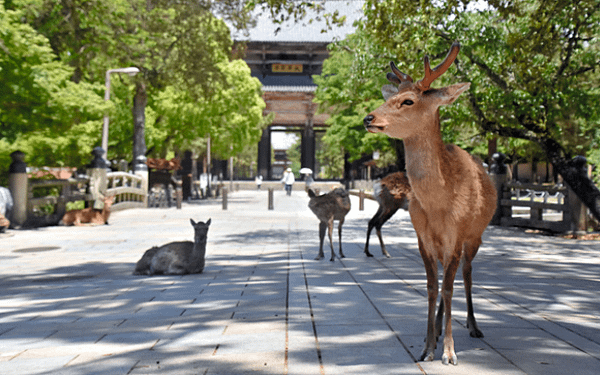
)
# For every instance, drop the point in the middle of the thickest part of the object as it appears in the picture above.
(306, 170)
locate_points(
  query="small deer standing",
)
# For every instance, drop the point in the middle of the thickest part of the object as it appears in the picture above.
(453, 199)
(329, 207)
(89, 215)
(176, 258)
(392, 193)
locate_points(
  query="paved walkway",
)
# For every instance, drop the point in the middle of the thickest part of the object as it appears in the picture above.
(69, 304)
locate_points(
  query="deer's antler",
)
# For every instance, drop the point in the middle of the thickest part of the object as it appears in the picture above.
(432, 75)
(397, 76)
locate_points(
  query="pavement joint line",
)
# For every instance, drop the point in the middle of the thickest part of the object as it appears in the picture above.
(532, 322)
(312, 315)
(381, 315)
(287, 305)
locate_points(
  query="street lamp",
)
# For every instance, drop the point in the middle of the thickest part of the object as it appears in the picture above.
(131, 71)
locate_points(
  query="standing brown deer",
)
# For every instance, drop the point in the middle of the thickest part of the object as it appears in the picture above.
(329, 207)
(89, 215)
(453, 199)
(392, 194)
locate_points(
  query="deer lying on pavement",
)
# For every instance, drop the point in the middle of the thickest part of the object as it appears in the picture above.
(452, 200)
(392, 193)
(176, 258)
(89, 215)
(329, 207)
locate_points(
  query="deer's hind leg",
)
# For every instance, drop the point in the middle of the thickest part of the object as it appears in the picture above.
(341, 222)
(373, 224)
(470, 250)
(329, 232)
(322, 229)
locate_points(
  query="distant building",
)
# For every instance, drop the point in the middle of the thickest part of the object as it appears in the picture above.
(284, 62)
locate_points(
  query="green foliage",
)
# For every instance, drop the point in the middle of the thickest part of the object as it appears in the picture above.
(531, 64)
(52, 108)
(232, 116)
(42, 112)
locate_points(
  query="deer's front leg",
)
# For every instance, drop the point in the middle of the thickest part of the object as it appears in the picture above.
(322, 229)
(450, 269)
(432, 293)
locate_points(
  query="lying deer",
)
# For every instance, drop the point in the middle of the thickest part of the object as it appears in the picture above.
(176, 258)
(392, 194)
(89, 215)
(453, 199)
(329, 207)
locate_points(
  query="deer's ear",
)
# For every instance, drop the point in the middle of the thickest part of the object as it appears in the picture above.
(208, 222)
(193, 222)
(449, 94)
(389, 91)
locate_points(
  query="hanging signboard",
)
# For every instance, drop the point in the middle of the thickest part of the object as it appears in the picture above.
(286, 68)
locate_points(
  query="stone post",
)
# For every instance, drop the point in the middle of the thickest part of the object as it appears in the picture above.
(98, 181)
(577, 210)
(18, 185)
(361, 200)
(499, 175)
(140, 168)
(271, 205)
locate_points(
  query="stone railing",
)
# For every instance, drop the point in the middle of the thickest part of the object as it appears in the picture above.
(44, 202)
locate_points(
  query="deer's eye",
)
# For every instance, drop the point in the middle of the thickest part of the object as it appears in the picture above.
(408, 102)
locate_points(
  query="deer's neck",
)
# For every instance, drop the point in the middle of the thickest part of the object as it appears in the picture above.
(427, 165)
(199, 246)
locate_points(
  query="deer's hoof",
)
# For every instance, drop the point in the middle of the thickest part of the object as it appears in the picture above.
(332, 259)
(427, 356)
(319, 257)
(368, 254)
(474, 331)
(387, 255)
(448, 358)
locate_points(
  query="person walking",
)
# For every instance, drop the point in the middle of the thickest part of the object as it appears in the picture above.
(288, 180)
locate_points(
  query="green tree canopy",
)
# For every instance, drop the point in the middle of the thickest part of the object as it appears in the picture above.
(532, 64)
(40, 107)
(183, 51)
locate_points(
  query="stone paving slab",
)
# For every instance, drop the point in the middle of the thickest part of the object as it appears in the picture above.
(70, 305)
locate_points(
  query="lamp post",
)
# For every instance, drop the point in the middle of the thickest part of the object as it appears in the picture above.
(131, 71)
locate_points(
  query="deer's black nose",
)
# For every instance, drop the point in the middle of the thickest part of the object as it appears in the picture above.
(367, 120)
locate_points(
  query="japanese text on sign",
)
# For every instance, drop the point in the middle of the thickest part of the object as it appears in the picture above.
(287, 68)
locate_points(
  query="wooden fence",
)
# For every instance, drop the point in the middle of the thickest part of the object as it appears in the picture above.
(536, 206)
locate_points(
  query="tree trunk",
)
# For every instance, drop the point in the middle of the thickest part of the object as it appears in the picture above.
(574, 173)
(139, 120)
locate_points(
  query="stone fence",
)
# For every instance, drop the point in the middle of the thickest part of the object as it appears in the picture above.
(41, 202)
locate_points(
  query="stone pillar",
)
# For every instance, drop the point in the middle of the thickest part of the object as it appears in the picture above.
(577, 210)
(308, 147)
(264, 155)
(18, 185)
(499, 175)
(98, 182)
(140, 168)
